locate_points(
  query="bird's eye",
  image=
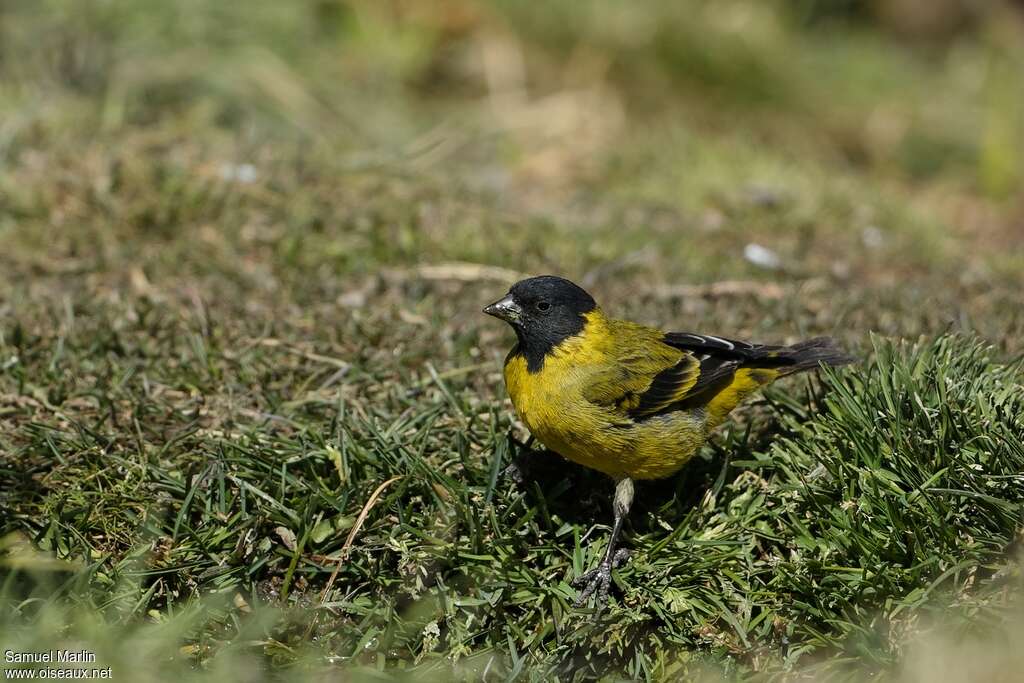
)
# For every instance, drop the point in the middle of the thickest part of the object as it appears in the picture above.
(543, 306)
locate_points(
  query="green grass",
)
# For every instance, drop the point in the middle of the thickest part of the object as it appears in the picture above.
(244, 252)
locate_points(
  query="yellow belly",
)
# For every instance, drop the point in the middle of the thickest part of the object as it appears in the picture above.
(552, 406)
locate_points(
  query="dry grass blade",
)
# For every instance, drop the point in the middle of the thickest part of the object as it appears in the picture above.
(760, 290)
(460, 272)
(371, 501)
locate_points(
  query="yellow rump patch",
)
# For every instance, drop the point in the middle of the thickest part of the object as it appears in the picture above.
(745, 382)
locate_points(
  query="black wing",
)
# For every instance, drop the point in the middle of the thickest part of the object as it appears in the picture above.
(720, 358)
(720, 347)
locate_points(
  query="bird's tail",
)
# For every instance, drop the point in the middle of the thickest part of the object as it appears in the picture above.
(809, 354)
(764, 364)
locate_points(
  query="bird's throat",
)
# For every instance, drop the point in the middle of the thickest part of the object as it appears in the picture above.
(537, 344)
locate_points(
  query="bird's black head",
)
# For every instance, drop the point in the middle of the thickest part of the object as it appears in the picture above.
(544, 311)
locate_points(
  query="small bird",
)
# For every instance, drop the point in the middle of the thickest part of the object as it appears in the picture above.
(626, 399)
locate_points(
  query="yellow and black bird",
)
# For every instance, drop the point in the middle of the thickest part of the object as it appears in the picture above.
(625, 399)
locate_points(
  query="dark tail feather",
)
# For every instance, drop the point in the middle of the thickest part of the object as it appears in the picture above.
(807, 355)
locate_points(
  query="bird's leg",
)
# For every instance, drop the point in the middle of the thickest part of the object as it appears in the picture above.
(599, 580)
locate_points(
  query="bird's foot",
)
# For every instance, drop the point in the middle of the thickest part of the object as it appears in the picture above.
(518, 470)
(598, 581)
(515, 471)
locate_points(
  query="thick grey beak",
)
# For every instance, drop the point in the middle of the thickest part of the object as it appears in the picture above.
(505, 308)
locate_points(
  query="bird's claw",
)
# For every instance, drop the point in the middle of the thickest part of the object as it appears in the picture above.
(598, 581)
(514, 472)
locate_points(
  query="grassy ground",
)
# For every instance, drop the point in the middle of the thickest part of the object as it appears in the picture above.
(244, 254)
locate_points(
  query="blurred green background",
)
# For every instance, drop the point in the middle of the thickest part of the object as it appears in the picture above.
(251, 233)
(872, 144)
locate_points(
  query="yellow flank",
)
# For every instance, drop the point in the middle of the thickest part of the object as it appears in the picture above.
(745, 382)
(578, 404)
